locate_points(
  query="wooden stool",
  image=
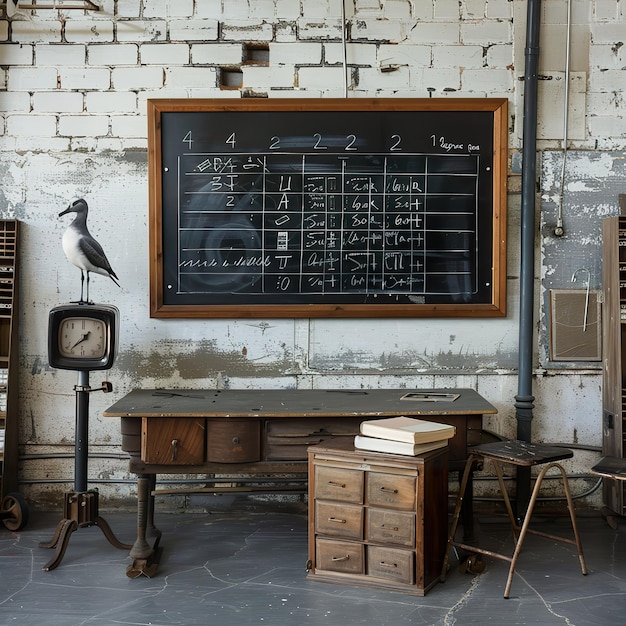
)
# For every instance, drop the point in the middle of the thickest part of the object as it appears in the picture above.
(522, 454)
(615, 468)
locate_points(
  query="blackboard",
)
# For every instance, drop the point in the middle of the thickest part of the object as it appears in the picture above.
(327, 207)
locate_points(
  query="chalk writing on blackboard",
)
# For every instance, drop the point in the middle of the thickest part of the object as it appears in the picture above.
(324, 212)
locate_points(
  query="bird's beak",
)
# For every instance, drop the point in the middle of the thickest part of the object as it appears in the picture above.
(69, 208)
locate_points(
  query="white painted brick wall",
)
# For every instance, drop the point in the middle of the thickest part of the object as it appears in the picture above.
(209, 8)
(98, 78)
(83, 125)
(58, 54)
(35, 31)
(112, 55)
(137, 78)
(296, 53)
(31, 78)
(170, 8)
(448, 56)
(194, 30)
(164, 54)
(16, 54)
(57, 102)
(31, 125)
(246, 31)
(436, 34)
(189, 77)
(217, 54)
(258, 77)
(107, 101)
(14, 101)
(81, 31)
(142, 30)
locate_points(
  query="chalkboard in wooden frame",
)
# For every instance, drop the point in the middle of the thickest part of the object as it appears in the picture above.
(327, 207)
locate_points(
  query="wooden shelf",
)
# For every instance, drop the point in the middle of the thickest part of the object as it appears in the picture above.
(9, 337)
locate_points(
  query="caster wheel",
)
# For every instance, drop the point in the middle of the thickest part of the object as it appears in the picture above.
(472, 565)
(14, 511)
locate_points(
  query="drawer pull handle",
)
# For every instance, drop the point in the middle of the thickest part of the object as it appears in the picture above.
(385, 564)
(174, 448)
(394, 528)
(341, 558)
(337, 520)
(336, 484)
(387, 489)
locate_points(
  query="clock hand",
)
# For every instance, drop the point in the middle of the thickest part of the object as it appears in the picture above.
(81, 339)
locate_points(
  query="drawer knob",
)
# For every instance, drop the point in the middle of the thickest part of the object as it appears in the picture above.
(336, 484)
(337, 520)
(235, 441)
(394, 528)
(341, 558)
(385, 564)
(174, 448)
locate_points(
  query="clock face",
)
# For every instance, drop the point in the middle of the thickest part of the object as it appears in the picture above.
(82, 337)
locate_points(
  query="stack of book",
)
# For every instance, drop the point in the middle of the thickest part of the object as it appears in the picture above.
(403, 435)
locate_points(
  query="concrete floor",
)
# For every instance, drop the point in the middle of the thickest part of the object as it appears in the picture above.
(243, 562)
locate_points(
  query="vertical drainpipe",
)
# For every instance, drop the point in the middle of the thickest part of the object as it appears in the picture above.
(524, 398)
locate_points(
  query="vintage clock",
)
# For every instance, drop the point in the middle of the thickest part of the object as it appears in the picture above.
(82, 337)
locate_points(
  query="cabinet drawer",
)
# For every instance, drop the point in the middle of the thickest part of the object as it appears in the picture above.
(391, 564)
(396, 527)
(391, 491)
(167, 441)
(339, 520)
(332, 483)
(340, 556)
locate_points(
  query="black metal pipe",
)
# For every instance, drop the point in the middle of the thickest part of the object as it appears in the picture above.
(524, 400)
(81, 444)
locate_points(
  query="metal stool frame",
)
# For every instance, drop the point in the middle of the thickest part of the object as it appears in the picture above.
(478, 454)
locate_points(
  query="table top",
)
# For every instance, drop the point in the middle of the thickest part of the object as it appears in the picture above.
(298, 403)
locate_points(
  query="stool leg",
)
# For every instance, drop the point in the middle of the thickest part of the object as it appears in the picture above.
(572, 515)
(522, 535)
(457, 512)
(505, 496)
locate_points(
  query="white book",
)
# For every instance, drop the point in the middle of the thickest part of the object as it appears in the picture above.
(409, 429)
(396, 447)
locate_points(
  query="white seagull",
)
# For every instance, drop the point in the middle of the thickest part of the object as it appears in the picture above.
(82, 250)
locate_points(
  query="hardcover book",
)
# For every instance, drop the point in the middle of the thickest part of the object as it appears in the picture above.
(409, 429)
(374, 444)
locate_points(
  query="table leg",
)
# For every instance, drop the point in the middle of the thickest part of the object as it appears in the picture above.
(145, 556)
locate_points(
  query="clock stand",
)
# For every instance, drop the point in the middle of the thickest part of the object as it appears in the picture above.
(80, 509)
(81, 337)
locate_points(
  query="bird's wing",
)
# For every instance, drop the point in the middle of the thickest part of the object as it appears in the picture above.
(93, 251)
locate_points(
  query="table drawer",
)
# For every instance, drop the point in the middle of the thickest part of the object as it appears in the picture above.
(332, 483)
(288, 439)
(179, 441)
(339, 520)
(340, 556)
(391, 491)
(391, 564)
(233, 440)
(396, 527)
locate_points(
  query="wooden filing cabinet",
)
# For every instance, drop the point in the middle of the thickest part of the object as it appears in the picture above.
(377, 520)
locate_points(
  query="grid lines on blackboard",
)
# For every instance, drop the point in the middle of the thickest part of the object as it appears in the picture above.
(310, 223)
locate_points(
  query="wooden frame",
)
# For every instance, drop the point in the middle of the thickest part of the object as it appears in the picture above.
(485, 296)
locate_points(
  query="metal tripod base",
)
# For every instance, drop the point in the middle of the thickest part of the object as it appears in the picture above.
(80, 510)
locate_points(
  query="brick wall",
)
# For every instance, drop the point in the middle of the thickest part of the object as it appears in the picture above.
(74, 79)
